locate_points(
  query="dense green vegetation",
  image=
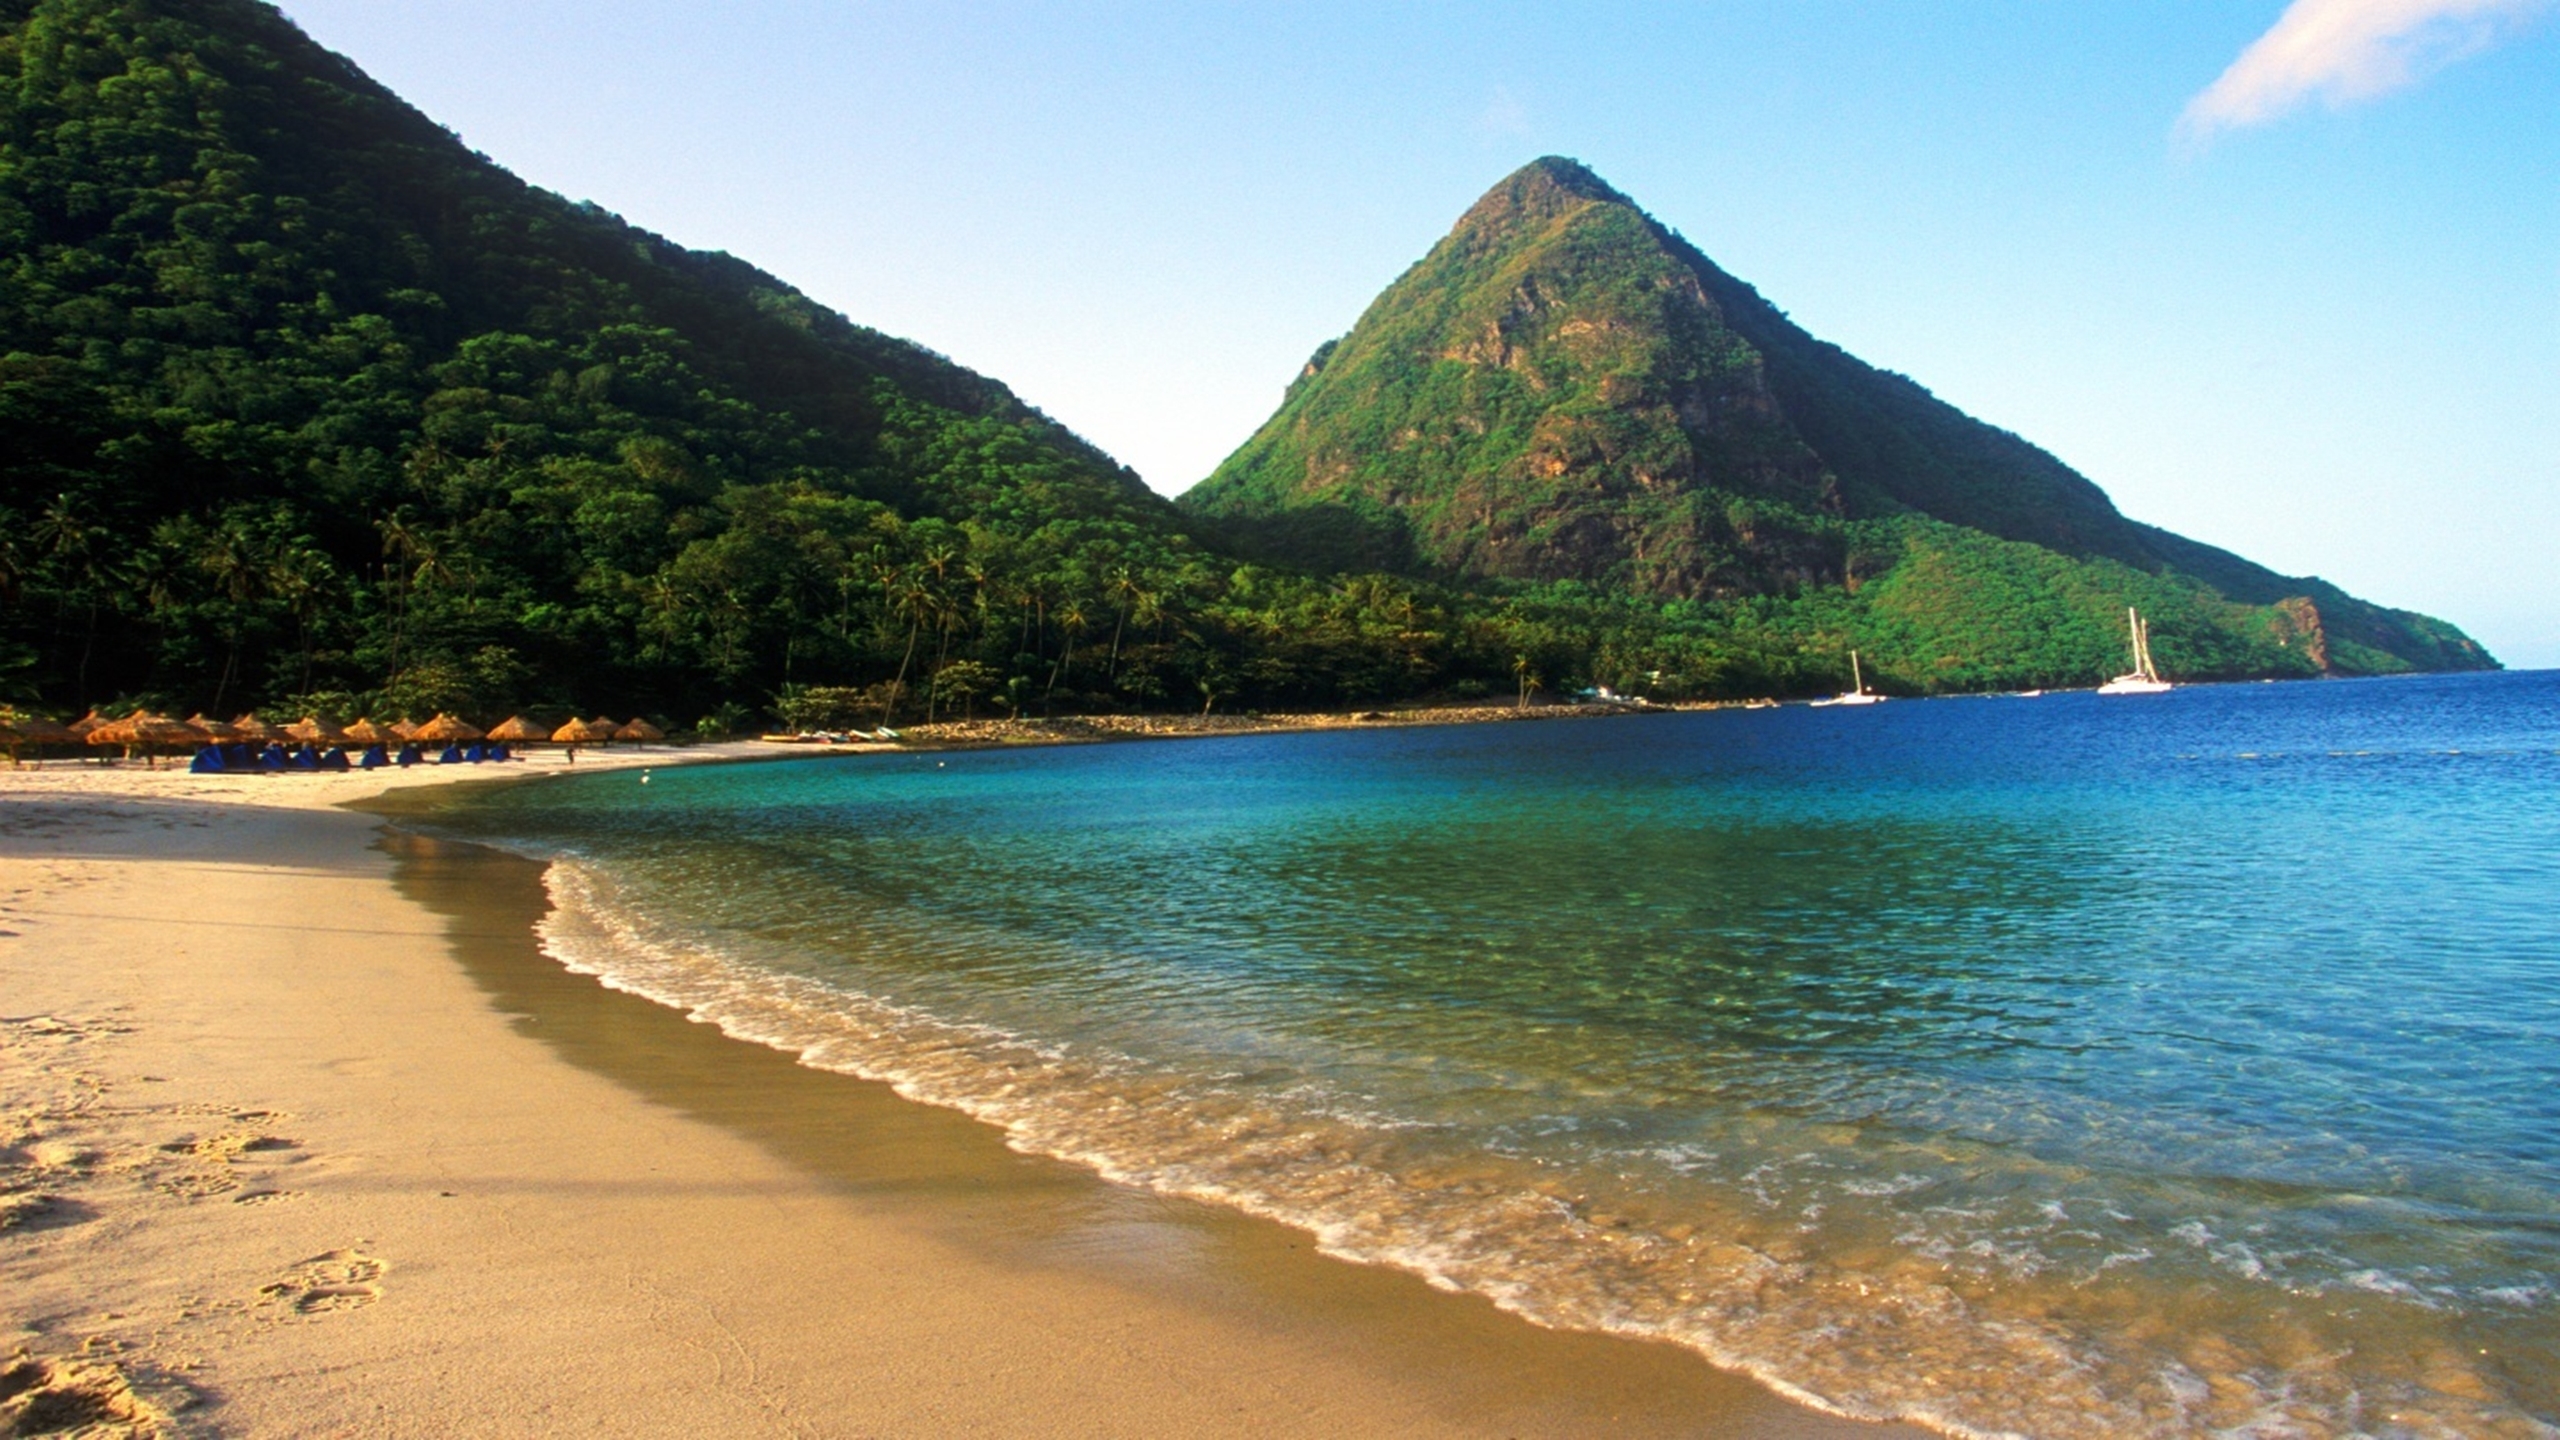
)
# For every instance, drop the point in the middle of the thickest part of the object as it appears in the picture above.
(307, 406)
(304, 398)
(1564, 390)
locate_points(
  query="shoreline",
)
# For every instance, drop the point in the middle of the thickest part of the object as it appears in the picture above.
(972, 734)
(306, 1134)
(1099, 729)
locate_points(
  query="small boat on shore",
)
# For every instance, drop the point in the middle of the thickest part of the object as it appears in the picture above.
(1857, 693)
(2143, 678)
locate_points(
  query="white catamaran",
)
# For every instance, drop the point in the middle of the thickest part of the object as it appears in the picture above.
(2144, 678)
(1858, 693)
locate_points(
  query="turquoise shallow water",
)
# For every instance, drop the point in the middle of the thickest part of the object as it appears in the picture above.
(2063, 1066)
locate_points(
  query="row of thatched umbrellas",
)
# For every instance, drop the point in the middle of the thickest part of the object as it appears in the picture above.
(144, 730)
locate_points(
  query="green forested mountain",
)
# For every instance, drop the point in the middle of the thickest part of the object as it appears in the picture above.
(1563, 390)
(305, 405)
(303, 395)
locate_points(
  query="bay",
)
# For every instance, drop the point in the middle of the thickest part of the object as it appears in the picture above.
(2070, 1065)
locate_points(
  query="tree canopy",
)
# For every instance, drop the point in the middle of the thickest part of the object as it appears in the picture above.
(309, 406)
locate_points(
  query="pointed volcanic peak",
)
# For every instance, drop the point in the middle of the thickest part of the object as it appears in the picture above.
(1551, 393)
(1565, 389)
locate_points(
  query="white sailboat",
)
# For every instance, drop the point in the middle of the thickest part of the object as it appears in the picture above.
(1858, 693)
(2143, 678)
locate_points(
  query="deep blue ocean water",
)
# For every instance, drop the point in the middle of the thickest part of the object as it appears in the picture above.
(2071, 1065)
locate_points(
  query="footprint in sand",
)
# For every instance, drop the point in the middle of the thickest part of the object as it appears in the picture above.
(197, 1185)
(337, 1280)
(58, 1155)
(229, 1148)
(74, 1397)
(264, 1197)
(30, 1210)
(54, 1027)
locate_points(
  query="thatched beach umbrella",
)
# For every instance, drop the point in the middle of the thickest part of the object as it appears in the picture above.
(37, 730)
(579, 732)
(256, 731)
(146, 732)
(640, 731)
(31, 732)
(12, 738)
(215, 732)
(166, 733)
(314, 730)
(446, 730)
(404, 728)
(517, 730)
(365, 732)
(81, 727)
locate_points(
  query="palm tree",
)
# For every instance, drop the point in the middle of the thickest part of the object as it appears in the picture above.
(915, 598)
(300, 573)
(1121, 584)
(69, 538)
(14, 565)
(1035, 617)
(1071, 623)
(235, 560)
(403, 542)
(976, 571)
(1213, 683)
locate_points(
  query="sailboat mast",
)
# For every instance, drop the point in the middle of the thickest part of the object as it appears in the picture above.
(2144, 677)
(1857, 677)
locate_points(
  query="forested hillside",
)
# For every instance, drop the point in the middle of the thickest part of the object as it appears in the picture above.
(304, 396)
(307, 406)
(1564, 390)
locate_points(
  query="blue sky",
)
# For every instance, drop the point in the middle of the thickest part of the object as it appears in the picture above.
(2305, 304)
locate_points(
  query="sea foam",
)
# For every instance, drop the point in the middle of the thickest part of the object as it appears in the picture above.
(1915, 1337)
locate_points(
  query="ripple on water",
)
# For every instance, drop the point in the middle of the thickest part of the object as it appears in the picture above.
(1997, 1071)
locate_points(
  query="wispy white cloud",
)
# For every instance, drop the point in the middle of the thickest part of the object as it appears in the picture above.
(2345, 51)
(1504, 116)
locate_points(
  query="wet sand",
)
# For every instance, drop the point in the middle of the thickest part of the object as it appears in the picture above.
(303, 1135)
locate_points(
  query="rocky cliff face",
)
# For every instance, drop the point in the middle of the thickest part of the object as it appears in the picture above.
(1563, 389)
